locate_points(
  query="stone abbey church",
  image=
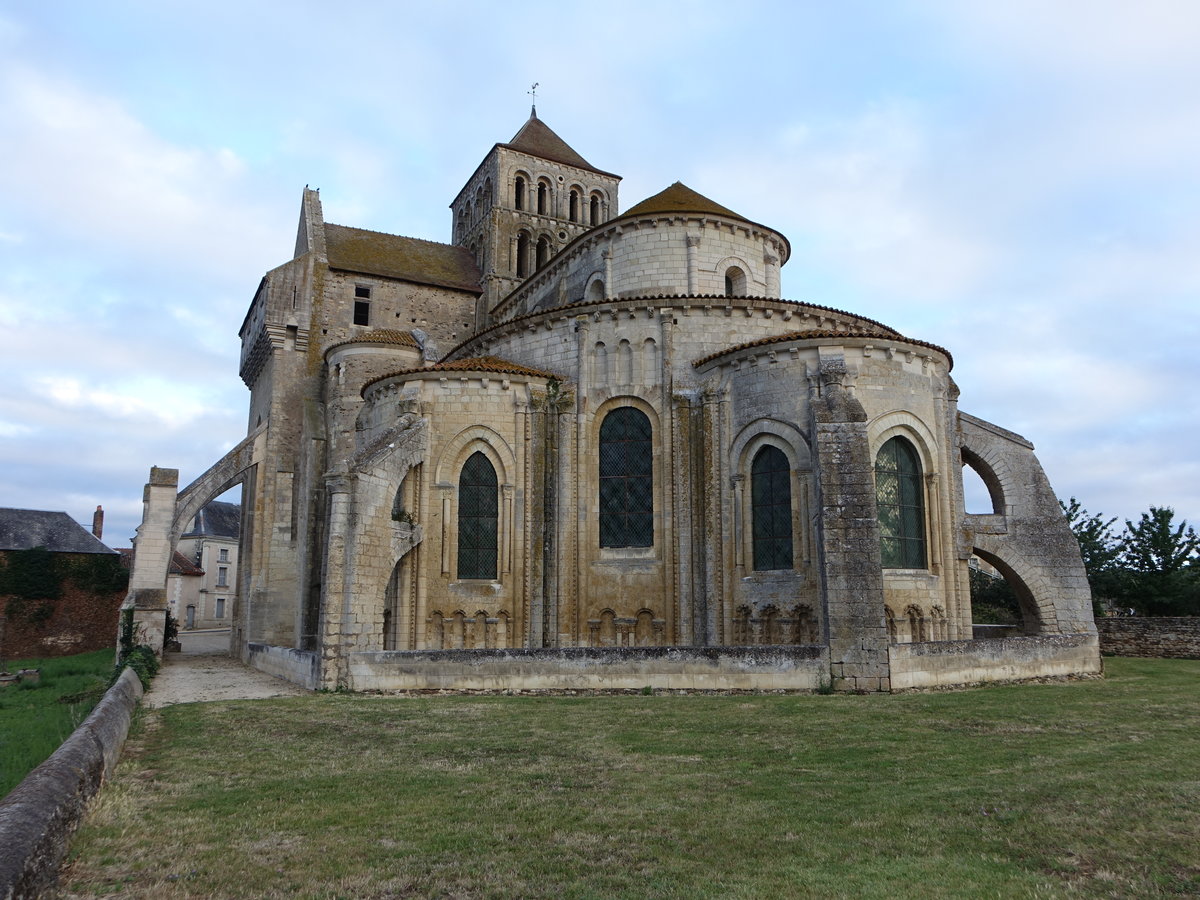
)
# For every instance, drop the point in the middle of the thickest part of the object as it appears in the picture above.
(587, 447)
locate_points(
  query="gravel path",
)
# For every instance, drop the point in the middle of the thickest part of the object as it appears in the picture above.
(204, 671)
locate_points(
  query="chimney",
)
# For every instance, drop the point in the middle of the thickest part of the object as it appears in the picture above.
(98, 522)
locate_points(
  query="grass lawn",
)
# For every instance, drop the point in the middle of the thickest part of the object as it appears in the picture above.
(1088, 789)
(35, 719)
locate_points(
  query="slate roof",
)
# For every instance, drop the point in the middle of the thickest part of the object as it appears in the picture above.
(538, 139)
(23, 529)
(219, 520)
(403, 258)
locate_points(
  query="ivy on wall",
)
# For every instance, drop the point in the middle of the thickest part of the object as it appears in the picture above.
(33, 580)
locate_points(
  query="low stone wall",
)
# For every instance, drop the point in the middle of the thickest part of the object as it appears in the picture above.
(941, 663)
(296, 666)
(593, 668)
(39, 816)
(1165, 637)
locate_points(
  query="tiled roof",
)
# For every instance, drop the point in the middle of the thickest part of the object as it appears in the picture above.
(679, 198)
(490, 364)
(623, 302)
(181, 565)
(403, 258)
(382, 336)
(816, 334)
(24, 529)
(218, 519)
(538, 139)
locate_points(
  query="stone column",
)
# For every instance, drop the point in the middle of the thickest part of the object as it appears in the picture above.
(693, 242)
(152, 550)
(848, 532)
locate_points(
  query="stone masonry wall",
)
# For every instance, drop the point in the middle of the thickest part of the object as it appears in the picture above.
(1162, 638)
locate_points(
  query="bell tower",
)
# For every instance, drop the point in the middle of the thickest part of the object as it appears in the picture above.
(527, 200)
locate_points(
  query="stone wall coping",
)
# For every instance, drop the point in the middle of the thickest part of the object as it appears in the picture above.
(40, 814)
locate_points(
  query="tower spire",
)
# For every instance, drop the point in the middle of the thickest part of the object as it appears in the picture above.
(533, 93)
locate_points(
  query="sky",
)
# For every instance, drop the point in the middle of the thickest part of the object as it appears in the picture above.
(1017, 181)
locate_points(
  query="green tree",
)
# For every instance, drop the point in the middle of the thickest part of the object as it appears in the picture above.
(1100, 549)
(1159, 558)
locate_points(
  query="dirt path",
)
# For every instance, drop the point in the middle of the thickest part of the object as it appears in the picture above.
(204, 671)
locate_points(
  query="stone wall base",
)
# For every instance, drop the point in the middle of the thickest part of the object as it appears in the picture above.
(297, 666)
(1165, 637)
(944, 663)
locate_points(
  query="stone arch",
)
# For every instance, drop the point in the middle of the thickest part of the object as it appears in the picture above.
(521, 182)
(746, 445)
(600, 373)
(595, 291)
(917, 631)
(1035, 613)
(475, 438)
(608, 628)
(643, 629)
(893, 632)
(902, 423)
(734, 275)
(804, 625)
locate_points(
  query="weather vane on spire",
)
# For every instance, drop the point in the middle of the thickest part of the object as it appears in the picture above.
(533, 93)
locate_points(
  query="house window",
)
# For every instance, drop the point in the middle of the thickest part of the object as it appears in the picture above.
(478, 518)
(771, 509)
(223, 556)
(222, 576)
(220, 613)
(626, 479)
(362, 292)
(362, 312)
(900, 496)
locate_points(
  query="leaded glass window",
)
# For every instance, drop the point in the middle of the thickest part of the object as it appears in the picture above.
(771, 509)
(478, 518)
(900, 496)
(626, 479)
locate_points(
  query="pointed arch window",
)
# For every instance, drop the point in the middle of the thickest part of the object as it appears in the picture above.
(900, 496)
(771, 509)
(626, 479)
(478, 518)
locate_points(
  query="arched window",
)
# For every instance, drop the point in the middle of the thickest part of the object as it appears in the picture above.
(573, 211)
(519, 192)
(594, 210)
(771, 509)
(522, 254)
(543, 199)
(626, 479)
(900, 495)
(735, 282)
(478, 518)
(543, 252)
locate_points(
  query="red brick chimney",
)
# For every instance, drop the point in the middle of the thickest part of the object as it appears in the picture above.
(98, 522)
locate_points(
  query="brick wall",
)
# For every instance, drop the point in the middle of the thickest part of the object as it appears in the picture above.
(80, 622)
(1166, 637)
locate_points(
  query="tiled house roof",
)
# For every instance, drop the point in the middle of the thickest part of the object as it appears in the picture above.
(218, 519)
(403, 258)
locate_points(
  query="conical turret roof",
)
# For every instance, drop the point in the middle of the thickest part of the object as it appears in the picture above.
(679, 198)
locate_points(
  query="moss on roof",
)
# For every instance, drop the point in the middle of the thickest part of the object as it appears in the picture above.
(403, 258)
(679, 198)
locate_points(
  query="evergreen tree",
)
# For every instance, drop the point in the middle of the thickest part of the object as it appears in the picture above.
(1160, 561)
(1100, 549)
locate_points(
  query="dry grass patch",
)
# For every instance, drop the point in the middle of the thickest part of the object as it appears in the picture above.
(1084, 789)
